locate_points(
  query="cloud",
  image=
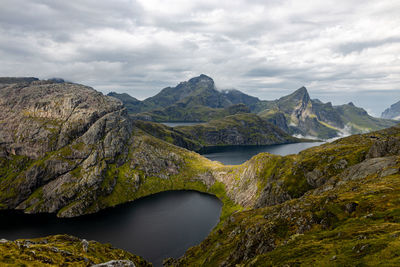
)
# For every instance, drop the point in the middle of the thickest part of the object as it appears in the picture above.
(266, 48)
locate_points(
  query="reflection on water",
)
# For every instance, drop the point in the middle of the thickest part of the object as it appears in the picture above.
(155, 227)
(234, 155)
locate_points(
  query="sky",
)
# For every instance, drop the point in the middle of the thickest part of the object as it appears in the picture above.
(340, 50)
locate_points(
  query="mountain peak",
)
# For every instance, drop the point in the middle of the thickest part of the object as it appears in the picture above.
(302, 90)
(300, 94)
(202, 79)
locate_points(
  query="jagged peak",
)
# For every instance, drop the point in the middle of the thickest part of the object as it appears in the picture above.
(351, 104)
(300, 94)
(301, 90)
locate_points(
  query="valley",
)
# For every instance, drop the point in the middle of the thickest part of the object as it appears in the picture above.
(70, 151)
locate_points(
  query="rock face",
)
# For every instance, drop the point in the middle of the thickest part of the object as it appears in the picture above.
(311, 117)
(66, 148)
(393, 112)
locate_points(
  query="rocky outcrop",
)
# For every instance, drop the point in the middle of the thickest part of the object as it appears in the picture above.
(116, 263)
(62, 250)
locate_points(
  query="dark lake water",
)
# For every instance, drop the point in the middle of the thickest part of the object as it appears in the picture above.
(155, 227)
(233, 155)
(173, 124)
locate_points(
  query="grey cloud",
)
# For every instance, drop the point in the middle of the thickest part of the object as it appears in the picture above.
(265, 48)
(350, 47)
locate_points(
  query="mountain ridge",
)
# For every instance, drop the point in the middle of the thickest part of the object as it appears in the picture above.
(393, 112)
(296, 113)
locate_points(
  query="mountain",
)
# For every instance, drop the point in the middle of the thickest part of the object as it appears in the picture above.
(237, 97)
(194, 100)
(238, 129)
(67, 149)
(132, 104)
(311, 117)
(393, 112)
(297, 114)
(332, 205)
(358, 120)
(234, 130)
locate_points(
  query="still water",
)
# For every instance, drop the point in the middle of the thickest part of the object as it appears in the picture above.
(233, 155)
(155, 227)
(173, 124)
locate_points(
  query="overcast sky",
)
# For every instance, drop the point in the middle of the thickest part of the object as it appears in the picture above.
(341, 50)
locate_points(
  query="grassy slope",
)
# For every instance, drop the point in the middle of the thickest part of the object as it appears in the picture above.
(314, 228)
(360, 121)
(61, 250)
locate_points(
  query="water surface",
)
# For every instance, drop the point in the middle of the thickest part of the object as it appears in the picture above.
(173, 124)
(155, 227)
(234, 155)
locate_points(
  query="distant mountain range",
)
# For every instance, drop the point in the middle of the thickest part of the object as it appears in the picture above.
(199, 100)
(393, 112)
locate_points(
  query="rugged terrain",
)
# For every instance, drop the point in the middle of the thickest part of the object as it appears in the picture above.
(64, 250)
(69, 150)
(393, 112)
(333, 205)
(311, 117)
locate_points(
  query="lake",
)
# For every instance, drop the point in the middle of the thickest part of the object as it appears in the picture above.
(173, 124)
(234, 155)
(155, 227)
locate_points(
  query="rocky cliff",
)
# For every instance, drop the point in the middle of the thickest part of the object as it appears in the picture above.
(67, 149)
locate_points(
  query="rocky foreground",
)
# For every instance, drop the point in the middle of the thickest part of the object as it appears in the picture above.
(64, 250)
(69, 150)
